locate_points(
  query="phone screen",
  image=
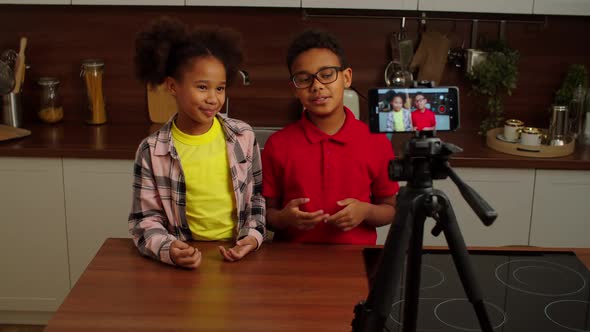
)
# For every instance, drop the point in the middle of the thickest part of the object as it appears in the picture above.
(410, 109)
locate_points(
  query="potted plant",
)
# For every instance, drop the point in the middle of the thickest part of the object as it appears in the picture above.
(577, 75)
(493, 78)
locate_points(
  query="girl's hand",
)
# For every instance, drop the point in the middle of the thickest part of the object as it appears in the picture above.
(353, 213)
(241, 249)
(184, 255)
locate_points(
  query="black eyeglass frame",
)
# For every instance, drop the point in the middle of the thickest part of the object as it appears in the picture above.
(316, 77)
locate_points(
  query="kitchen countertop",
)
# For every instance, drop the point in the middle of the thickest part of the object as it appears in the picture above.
(120, 141)
(316, 294)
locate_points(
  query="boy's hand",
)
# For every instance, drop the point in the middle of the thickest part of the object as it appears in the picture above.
(292, 216)
(184, 255)
(241, 249)
(353, 213)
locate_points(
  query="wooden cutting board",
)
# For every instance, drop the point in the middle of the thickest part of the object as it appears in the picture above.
(161, 104)
(8, 132)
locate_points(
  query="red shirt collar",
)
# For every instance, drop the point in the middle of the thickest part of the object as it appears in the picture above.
(315, 135)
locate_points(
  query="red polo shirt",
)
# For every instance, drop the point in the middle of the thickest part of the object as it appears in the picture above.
(423, 119)
(300, 160)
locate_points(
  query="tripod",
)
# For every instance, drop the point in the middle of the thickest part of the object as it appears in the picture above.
(425, 158)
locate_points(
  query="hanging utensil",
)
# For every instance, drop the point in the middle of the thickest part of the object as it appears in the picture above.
(19, 71)
(9, 58)
(405, 46)
(396, 72)
(6, 79)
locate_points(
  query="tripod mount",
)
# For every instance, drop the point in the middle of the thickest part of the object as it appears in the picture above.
(425, 158)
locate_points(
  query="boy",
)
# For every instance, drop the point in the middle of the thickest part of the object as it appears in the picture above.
(326, 177)
(423, 118)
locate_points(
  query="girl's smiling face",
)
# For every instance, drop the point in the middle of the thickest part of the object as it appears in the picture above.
(200, 94)
(397, 104)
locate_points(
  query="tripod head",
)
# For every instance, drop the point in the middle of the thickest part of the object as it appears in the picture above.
(426, 158)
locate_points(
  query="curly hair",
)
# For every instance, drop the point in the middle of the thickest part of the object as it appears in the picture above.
(389, 95)
(314, 38)
(168, 45)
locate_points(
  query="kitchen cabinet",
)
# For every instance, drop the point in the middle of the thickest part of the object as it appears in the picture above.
(560, 210)
(562, 7)
(37, 2)
(249, 3)
(130, 2)
(508, 191)
(369, 4)
(34, 249)
(98, 201)
(479, 6)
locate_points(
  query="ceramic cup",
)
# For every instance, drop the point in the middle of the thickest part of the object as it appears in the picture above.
(530, 136)
(512, 129)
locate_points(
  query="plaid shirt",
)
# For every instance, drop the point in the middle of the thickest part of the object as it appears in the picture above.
(158, 212)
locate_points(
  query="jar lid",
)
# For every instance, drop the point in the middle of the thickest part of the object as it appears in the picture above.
(531, 130)
(559, 108)
(48, 81)
(92, 63)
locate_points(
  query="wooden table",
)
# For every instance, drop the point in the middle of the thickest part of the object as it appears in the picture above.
(282, 287)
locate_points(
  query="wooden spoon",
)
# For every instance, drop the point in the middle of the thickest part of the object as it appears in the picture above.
(19, 72)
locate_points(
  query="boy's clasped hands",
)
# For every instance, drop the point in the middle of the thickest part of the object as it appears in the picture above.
(350, 216)
(187, 256)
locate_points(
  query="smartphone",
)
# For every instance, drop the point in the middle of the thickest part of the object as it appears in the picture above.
(410, 109)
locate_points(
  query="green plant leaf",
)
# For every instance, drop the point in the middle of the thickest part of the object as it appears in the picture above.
(494, 77)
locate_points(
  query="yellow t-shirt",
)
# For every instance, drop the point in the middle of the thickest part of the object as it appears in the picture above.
(398, 119)
(210, 201)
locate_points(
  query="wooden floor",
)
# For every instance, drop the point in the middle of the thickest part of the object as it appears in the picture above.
(21, 328)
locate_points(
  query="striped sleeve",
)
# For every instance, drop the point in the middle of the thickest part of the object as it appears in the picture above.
(257, 222)
(147, 219)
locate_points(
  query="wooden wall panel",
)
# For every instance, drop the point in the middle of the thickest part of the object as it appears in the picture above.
(61, 36)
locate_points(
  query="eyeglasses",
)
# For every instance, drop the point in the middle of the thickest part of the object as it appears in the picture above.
(325, 75)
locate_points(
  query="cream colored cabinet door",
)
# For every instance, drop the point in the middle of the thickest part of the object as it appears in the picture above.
(369, 4)
(478, 6)
(37, 2)
(246, 3)
(561, 217)
(562, 7)
(98, 201)
(130, 2)
(33, 252)
(508, 191)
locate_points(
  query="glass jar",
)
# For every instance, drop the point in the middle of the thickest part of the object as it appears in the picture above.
(50, 108)
(92, 73)
(577, 112)
(586, 127)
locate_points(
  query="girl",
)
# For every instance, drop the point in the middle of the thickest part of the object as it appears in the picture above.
(199, 176)
(399, 119)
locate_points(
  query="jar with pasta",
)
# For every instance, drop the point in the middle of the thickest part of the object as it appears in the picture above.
(92, 73)
(50, 110)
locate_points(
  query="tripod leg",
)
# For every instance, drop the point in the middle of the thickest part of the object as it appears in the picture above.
(371, 315)
(413, 273)
(448, 223)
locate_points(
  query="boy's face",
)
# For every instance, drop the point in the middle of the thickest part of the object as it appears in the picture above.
(321, 99)
(420, 102)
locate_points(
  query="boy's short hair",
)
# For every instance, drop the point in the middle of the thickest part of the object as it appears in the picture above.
(313, 38)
